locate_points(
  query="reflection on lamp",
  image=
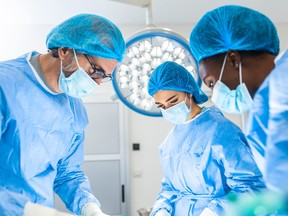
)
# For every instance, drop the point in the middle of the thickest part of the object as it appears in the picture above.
(145, 51)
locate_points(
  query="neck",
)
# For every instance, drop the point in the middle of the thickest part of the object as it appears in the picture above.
(195, 110)
(51, 70)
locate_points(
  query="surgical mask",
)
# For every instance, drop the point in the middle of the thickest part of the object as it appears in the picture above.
(231, 101)
(79, 84)
(178, 113)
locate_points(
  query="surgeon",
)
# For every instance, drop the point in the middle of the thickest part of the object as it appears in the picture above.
(42, 116)
(236, 48)
(205, 157)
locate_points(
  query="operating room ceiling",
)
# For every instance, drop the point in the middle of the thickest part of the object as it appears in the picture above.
(163, 11)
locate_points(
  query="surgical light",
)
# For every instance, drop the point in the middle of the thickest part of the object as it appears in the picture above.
(145, 51)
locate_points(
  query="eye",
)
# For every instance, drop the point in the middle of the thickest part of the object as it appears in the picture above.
(175, 100)
(210, 82)
(210, 85)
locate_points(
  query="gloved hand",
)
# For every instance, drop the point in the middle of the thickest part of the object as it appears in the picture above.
(162, 212)
(92, 209)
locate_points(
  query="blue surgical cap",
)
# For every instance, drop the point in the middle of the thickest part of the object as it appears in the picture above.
(233, 28)
(90, 34)
(174, 77)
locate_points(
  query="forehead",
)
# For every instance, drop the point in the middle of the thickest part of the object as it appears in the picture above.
(163, 95)
(209, 67)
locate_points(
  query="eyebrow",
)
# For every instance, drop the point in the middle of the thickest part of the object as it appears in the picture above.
(167, 99)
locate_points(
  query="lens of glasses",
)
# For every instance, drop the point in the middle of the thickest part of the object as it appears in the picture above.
(101, 75)
(98, 74)
(106, 79)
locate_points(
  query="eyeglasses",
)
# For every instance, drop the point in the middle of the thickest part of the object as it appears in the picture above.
(98, 74)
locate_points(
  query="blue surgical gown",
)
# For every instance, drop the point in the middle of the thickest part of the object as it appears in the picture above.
(41, 142)
(203, 161)
(268, 126)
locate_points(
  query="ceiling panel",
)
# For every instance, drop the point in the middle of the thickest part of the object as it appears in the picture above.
(163, 11)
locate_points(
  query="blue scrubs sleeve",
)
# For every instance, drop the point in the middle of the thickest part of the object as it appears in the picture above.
(162, 201)
(276, 172)
(241, 171)
(2, 117)
(71, 185)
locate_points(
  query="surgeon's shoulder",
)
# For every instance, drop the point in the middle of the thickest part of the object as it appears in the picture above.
(279, 72)
(10, 68)
(219, 121)
(225, 130)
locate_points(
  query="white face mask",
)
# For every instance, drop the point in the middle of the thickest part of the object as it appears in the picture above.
(178, 113)
(231, 101)
(79, 84)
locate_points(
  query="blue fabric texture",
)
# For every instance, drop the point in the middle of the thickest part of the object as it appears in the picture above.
(267, 130)
(90, 34)
(174, 77)
(204, 161)
(41, 143)
(233, 27)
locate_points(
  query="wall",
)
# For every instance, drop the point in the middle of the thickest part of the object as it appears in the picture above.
(145, 172)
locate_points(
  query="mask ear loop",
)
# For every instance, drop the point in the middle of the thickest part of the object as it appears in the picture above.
(240, 72)
(243, 118)
(191, 103)
(61, 65)
(75, 56)
(222, 69)
(61, 69)
(185, 97)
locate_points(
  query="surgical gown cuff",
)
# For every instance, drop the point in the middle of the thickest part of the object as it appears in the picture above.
(217, 205)
(208, 212)
(161, 205)
(90, 209)
(86, 200)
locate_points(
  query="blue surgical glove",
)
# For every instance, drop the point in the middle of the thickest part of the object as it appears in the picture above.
(92, 209)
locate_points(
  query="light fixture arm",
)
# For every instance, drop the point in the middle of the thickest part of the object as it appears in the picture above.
(149, 15)
(142, 3)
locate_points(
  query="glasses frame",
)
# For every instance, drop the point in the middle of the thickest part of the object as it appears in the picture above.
(98, 74)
